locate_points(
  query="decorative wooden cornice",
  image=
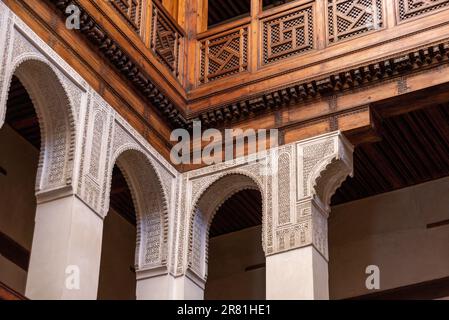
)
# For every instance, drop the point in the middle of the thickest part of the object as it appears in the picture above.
(332, 84)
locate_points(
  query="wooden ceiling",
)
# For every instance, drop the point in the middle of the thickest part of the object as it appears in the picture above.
(225, 10)
(243, 210)
(121, 199)
(21, 115)
(414, 149)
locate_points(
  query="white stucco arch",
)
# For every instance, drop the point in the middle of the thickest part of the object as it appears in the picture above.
(56, 120)
(205, 206)
(150, 202)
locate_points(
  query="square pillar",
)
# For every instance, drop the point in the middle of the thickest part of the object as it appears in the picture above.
(299, 274)
(309, 173)
(189, 287)
(158, 284)
(66, 251)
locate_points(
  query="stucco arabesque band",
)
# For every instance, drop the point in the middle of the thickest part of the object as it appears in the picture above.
(83, 138)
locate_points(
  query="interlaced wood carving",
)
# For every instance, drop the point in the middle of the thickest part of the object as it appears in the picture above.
(351, 18)
(224, 55)
(288, 34)
(408, 9)
(131, 10)
(165, 40)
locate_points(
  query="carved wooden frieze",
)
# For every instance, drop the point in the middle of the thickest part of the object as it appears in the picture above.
(224, 55)
(408, 9)
(288, 34)
(351, 18)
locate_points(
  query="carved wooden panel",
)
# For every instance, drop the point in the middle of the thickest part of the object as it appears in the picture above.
(131, 10)
(165, 40)
(408, 9)
(350, 18)
(224, 55)
(288, 34)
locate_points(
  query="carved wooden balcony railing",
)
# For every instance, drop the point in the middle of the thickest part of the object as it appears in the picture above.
(167, 39)
(347, 19)
(131, 10)
(409, 9)
(287, 33)
(284, 32)
(296, 28)
(299, 51)
(224, 54)
(6, 293)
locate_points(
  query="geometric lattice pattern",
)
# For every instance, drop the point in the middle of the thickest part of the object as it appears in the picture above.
(288, 34)
(131, 10)
(165, 40)
(408, 9)
(351, 18)
(224, 55)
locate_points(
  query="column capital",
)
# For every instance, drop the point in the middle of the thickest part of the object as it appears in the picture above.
(322, 164)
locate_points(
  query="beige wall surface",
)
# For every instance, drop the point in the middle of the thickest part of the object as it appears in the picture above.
(389, 231)
(229, 256)
(18, 204)
(117, 279)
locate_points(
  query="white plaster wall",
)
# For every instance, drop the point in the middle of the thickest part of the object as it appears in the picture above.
(390, 231)
(229, 256)
(17, 200)
(117, 280)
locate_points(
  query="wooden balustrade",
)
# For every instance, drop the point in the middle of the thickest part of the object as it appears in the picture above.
(224, 54)
(282, 56)
(131, 10)
(293, 29)
(167, 39)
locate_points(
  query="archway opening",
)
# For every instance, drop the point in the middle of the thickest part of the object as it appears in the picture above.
(225, 231)
(20, 142)
(117, 268)
(388, 233)
(236, 261)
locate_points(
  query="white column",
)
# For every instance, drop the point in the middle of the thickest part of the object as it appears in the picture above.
(299, 270)
(299, 274)
(66, 245)
(158, 284)
(189, 287)
(297, 259)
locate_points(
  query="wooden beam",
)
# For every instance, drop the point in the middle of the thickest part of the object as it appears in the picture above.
(429, 290)
(14, 252)
(413, 101)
